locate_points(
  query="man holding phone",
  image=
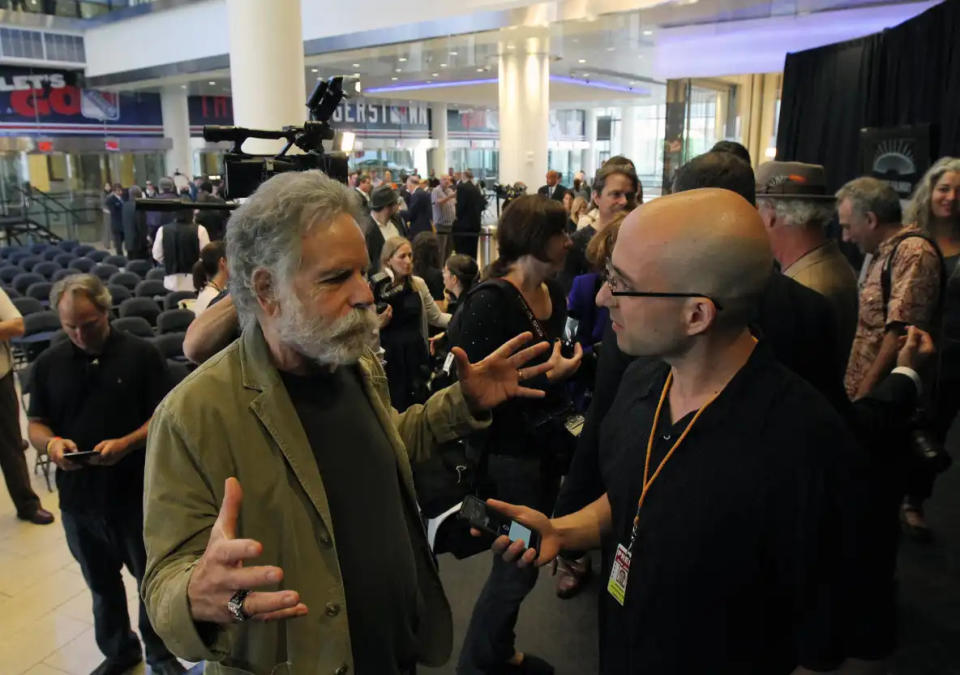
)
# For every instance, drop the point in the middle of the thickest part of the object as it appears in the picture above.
(90, 408)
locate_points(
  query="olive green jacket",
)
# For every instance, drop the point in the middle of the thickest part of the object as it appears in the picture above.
(233, 417)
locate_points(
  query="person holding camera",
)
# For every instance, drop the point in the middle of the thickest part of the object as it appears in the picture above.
(525, 438)
(404, 334)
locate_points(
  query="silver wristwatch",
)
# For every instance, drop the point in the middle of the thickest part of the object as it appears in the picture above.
(235, 606)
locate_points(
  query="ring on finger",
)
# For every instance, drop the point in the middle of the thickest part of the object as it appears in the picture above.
(235, 606)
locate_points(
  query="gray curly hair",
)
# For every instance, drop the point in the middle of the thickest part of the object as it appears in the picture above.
(800, 212)
(918, 210)
(264, 233)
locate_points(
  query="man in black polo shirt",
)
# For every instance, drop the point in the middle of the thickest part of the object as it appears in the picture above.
(97, 392)
(729, 522)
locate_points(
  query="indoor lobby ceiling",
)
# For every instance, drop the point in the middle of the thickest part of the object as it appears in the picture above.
(612, 59)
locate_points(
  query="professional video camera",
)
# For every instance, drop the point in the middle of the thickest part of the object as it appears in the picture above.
(243, 173)
(508, 192)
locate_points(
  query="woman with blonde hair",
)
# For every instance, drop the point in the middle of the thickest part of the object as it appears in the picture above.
(935, 209)
(404, 337)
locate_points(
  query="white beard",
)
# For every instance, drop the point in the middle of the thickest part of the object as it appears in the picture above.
(329, 343)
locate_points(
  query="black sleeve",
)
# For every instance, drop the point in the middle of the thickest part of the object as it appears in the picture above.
(39, 401)
(584, 484)
(462, 206)
(156, 384)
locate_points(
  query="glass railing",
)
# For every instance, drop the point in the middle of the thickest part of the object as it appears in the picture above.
(72, 9)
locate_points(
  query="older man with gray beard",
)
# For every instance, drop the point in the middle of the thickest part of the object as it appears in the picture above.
(320, 563)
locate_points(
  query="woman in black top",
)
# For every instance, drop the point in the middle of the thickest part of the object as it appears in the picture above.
(404, 337)
(521, 461)
(459, 274)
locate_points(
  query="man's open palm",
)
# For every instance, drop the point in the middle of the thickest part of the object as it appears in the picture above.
(220, 572)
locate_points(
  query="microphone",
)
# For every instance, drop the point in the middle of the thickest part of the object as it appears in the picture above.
(181, 205)
(214, 133)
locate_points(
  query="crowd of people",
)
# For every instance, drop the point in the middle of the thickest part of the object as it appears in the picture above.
(709, 388)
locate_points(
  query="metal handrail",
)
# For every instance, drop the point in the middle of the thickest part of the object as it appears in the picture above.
(50, 205)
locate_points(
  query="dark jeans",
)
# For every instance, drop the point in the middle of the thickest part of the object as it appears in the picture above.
(103, 544)
(489, 641)
(12, 460)
(117, 239)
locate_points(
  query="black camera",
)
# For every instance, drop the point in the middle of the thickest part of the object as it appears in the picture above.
(243, 173)
(929, 450)
(379, 283)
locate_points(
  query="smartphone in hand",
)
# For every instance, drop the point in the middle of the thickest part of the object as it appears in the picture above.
(484, 518)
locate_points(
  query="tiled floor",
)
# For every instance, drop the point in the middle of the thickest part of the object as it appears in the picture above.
(46, 614)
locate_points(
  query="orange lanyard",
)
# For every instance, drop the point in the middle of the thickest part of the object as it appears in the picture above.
(647, 482)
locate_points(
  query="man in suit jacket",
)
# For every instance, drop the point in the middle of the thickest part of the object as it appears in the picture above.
(553, 189)
(419, 209)
(470, 206)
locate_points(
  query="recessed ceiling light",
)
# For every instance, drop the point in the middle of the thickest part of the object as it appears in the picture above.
(356, 74)
(453, 53)
(183, 86)
(402, 59)
(394, 78)
(443, 65)
(356, 65)
(398, 70)
(581, 60)
(314, 70)
(479, 70)
(435, 75)
(611, 49)
(648, 32)
(211, 82)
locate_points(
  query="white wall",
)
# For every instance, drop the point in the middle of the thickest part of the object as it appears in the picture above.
(187, 32)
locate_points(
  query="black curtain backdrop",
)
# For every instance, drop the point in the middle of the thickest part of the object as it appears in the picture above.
(909, 74)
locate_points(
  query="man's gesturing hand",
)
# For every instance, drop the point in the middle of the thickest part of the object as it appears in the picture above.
(220, 573)
(498, 377)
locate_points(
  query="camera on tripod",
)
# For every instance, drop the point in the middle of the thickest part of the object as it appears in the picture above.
(243, 173)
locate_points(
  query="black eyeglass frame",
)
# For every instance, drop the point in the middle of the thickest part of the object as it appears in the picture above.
(652, 294)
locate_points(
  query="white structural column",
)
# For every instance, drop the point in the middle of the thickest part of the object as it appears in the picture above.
(590, 163)
(438, 127)
(628, 132)
(266, 67)
(176, 127)
(524, 106)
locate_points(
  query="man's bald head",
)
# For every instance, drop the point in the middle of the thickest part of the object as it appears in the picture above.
(709, 241)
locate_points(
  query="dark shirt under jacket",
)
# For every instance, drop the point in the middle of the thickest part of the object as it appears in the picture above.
(92, 399)
(361, 479)
(742, 563)
(486, 318)
(558, 192)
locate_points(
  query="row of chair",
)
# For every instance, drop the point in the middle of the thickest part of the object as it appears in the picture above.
(52, 271)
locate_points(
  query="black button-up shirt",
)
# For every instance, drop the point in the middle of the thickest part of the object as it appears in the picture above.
(89, 399)
(740, 564)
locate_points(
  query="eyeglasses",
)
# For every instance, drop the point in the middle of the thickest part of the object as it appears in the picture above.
(614, 282)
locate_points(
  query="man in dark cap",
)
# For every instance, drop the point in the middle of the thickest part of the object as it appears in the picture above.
(795, 207)
(381, 224)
